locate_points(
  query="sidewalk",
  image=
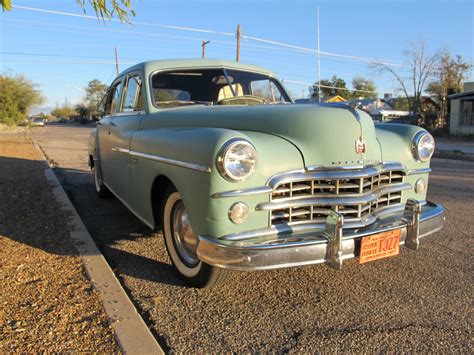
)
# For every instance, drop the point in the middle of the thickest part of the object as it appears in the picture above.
(450, 144)
(452, 148)
(46, 301)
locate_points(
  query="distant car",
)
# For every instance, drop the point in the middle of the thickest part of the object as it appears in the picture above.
(24, 122)
(240, 178)
(37, 122)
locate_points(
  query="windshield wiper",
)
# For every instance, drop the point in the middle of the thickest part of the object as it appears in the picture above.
(185, 102)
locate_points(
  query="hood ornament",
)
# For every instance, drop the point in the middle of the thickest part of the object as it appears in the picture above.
(360, 145)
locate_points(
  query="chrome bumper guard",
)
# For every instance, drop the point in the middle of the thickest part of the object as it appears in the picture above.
(330, 245)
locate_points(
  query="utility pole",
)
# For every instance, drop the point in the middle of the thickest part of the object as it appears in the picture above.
(319, 63)
(237, 57)
(204, 48)
(116, 61)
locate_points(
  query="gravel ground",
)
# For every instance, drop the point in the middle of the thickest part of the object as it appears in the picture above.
(46, 300)
(419, 301)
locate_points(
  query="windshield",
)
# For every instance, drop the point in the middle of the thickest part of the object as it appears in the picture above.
(215, 87)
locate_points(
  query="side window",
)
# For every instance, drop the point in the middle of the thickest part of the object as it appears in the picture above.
(133, 94)
(113, 100)
(267, 90)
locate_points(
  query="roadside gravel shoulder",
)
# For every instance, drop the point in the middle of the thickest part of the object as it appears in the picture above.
(46, 299)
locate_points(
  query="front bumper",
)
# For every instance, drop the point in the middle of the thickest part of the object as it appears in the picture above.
(332, 244)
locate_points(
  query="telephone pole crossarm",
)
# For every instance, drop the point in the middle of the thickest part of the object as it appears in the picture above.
(203, 47)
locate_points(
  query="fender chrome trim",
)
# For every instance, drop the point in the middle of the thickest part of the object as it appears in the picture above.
(246, 192)
(419, 171)
(179, 163)
(160, 159)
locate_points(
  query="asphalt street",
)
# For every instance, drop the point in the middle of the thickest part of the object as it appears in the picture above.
(418, 301)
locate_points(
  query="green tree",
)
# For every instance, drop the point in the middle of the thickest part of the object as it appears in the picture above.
(94, 93)
(17, 96)
(104, 9)
(83, 111)
(330, 87)
(363, 88)
(449, 79)
(64, 112)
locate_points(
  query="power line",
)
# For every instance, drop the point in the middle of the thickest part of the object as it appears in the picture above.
(327, 86)
(61, 62)
(183, 28)
(200, 30)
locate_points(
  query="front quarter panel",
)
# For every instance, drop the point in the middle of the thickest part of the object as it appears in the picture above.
(395, 143)
(200, 146)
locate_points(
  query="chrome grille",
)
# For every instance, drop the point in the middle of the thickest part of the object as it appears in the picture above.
(357, 195)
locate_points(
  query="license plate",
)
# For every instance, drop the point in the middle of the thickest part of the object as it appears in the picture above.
(379, 246)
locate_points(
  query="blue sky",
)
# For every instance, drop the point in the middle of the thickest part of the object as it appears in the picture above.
(62, 53)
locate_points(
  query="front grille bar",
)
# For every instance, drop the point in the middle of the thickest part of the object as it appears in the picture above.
(357, 194)
(334, 200)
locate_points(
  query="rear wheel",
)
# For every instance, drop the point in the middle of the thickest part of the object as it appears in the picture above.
(181, 244)
(100, 188)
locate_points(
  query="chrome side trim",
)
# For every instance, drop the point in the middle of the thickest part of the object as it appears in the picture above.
(148, 224)
(179, 163)
(419, 171)
(246, 192)
(348, 200)
(121, 150)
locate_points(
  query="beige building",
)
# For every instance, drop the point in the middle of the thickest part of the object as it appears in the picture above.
(462, 111)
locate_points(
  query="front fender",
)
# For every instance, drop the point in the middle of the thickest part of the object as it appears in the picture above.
(200, 146)
(92, 146)
(395, 143)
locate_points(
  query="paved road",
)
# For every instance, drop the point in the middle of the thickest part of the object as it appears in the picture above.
(418, 301)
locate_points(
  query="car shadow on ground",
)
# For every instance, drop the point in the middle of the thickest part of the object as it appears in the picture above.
(111, 224)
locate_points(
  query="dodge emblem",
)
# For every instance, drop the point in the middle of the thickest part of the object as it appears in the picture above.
(360, 145)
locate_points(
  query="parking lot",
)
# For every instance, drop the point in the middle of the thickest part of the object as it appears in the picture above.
(418, 301)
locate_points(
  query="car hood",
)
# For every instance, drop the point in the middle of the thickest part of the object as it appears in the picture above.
(325, 136)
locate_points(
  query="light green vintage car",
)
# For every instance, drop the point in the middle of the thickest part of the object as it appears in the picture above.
(238, 177)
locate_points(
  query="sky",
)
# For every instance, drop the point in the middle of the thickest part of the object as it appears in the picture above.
(62, 53)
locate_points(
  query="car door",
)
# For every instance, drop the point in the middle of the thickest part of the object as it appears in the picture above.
(124, 124)
(111, 107)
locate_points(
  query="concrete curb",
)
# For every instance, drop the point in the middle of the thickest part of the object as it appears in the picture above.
(131, 332)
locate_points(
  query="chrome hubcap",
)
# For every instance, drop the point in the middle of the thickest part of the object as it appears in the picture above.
(184, 238)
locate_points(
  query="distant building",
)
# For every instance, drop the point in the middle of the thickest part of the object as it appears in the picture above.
(313, 100)
(334, 98)
(462, 111)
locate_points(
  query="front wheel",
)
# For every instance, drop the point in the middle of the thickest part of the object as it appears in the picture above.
(181, 244)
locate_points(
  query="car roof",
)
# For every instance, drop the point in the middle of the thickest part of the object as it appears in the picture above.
(171, 64)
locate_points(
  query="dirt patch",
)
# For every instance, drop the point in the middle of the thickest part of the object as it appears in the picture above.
(46, 300)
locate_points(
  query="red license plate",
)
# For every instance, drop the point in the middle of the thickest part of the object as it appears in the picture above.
(379, 246)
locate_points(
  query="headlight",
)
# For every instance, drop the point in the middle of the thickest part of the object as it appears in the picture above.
(422, 146)
(236, 160)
